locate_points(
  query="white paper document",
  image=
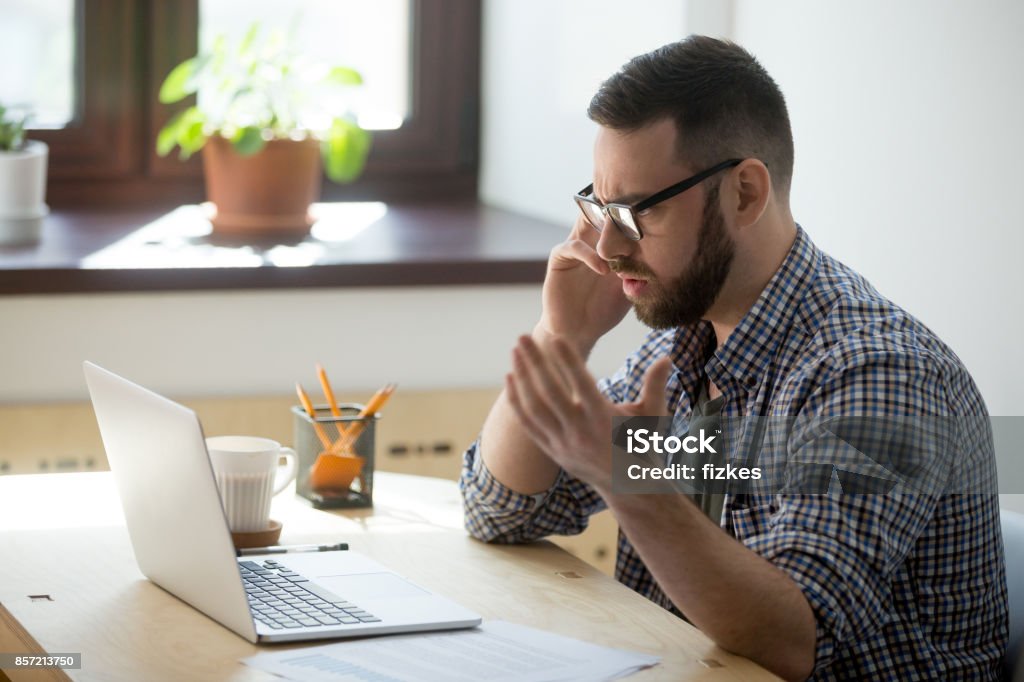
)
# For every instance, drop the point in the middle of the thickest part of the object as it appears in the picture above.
(494, 652)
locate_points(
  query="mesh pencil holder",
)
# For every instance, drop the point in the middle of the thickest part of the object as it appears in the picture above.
(339, 478)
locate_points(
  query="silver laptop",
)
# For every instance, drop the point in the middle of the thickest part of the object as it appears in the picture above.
(180, 535)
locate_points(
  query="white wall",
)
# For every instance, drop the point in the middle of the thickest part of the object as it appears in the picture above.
(253, 343)
(542, 62)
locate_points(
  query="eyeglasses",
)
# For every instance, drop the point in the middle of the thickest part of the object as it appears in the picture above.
(624, 215)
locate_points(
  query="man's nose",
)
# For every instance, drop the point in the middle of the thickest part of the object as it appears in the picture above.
(612, 243)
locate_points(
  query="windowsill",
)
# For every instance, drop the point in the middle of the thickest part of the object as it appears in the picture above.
(353, 245)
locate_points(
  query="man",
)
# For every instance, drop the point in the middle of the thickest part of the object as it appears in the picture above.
(749, 318)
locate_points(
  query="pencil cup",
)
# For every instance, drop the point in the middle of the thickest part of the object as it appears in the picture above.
(335, 456)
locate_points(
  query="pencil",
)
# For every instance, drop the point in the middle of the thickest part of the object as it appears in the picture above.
(308, 406)
(371, 408)
(328, 393)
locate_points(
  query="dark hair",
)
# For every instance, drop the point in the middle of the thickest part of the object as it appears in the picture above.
(724, 104)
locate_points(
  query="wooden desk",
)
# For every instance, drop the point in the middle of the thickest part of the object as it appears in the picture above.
(63, 536)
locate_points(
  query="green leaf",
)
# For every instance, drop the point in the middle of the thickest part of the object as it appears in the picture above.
(180, 127)
(249, 39)
(167, 138)
(342, 75)
(192, 135)
(220, 46)
(274, 46)
(345, 150)
(179, 83)
(12, 131)
(165, 141)
(219, 54)
(248, 140)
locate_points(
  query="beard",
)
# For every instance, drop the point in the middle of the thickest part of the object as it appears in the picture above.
(686, 299)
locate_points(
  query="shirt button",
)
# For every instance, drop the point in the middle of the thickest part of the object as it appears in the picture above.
(751, 382)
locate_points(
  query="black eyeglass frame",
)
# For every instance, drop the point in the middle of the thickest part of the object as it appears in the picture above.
(586, 194)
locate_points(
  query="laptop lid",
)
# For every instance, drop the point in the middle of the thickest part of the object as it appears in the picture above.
(157, 454)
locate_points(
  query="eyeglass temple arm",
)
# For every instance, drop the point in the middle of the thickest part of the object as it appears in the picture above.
(682, 187)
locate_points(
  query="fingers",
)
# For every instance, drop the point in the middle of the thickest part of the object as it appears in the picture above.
(584, 231)
(540, 391)
(534, 407)
(652, 394)
(574, 369)
(574, 251)
(538, 380)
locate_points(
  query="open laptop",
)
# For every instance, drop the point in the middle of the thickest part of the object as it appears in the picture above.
(181, 540)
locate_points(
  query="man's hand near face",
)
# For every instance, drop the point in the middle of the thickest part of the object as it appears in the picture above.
(583, 298)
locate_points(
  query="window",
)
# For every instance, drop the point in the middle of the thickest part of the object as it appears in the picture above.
(39, 35)
(371, 37)
(115, 54)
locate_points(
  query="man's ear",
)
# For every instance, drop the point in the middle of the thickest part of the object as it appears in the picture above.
(750, 187)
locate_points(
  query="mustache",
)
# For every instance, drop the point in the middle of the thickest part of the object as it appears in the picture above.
(630, 268)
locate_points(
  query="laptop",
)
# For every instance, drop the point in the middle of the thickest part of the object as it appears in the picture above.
(180, 537)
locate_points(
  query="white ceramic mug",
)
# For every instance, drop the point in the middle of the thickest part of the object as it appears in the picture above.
(248, 475)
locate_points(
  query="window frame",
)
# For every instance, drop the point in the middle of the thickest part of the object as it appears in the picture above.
(107, 157)
(98, 142)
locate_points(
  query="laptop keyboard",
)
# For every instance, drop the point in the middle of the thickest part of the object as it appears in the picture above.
(283, 599)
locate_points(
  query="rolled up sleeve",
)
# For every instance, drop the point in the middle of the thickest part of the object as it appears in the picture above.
(496, 513)
(842, 551)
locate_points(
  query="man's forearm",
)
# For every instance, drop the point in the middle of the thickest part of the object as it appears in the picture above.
(511, 455)
(740, 600)
(507, 449)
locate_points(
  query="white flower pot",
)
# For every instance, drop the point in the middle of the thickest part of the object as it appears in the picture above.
(23, 193)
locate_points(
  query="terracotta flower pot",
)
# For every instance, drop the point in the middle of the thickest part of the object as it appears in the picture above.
(265, 193)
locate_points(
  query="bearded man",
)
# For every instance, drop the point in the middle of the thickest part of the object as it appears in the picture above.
(687, 222)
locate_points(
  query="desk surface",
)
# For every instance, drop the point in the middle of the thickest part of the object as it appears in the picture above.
(63, 536)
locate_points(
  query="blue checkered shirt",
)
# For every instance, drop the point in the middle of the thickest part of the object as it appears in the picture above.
(903, 587)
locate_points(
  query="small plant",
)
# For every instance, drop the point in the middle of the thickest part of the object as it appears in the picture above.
(264, 90)
(12, 130)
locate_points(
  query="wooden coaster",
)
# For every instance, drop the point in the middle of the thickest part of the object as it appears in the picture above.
(258, 538)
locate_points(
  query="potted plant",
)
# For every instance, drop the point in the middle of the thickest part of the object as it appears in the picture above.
(22, 181)
(266, 117)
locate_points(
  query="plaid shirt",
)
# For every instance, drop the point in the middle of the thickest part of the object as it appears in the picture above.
(903, 587)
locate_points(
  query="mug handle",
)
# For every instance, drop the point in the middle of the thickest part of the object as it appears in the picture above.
(281, 481)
